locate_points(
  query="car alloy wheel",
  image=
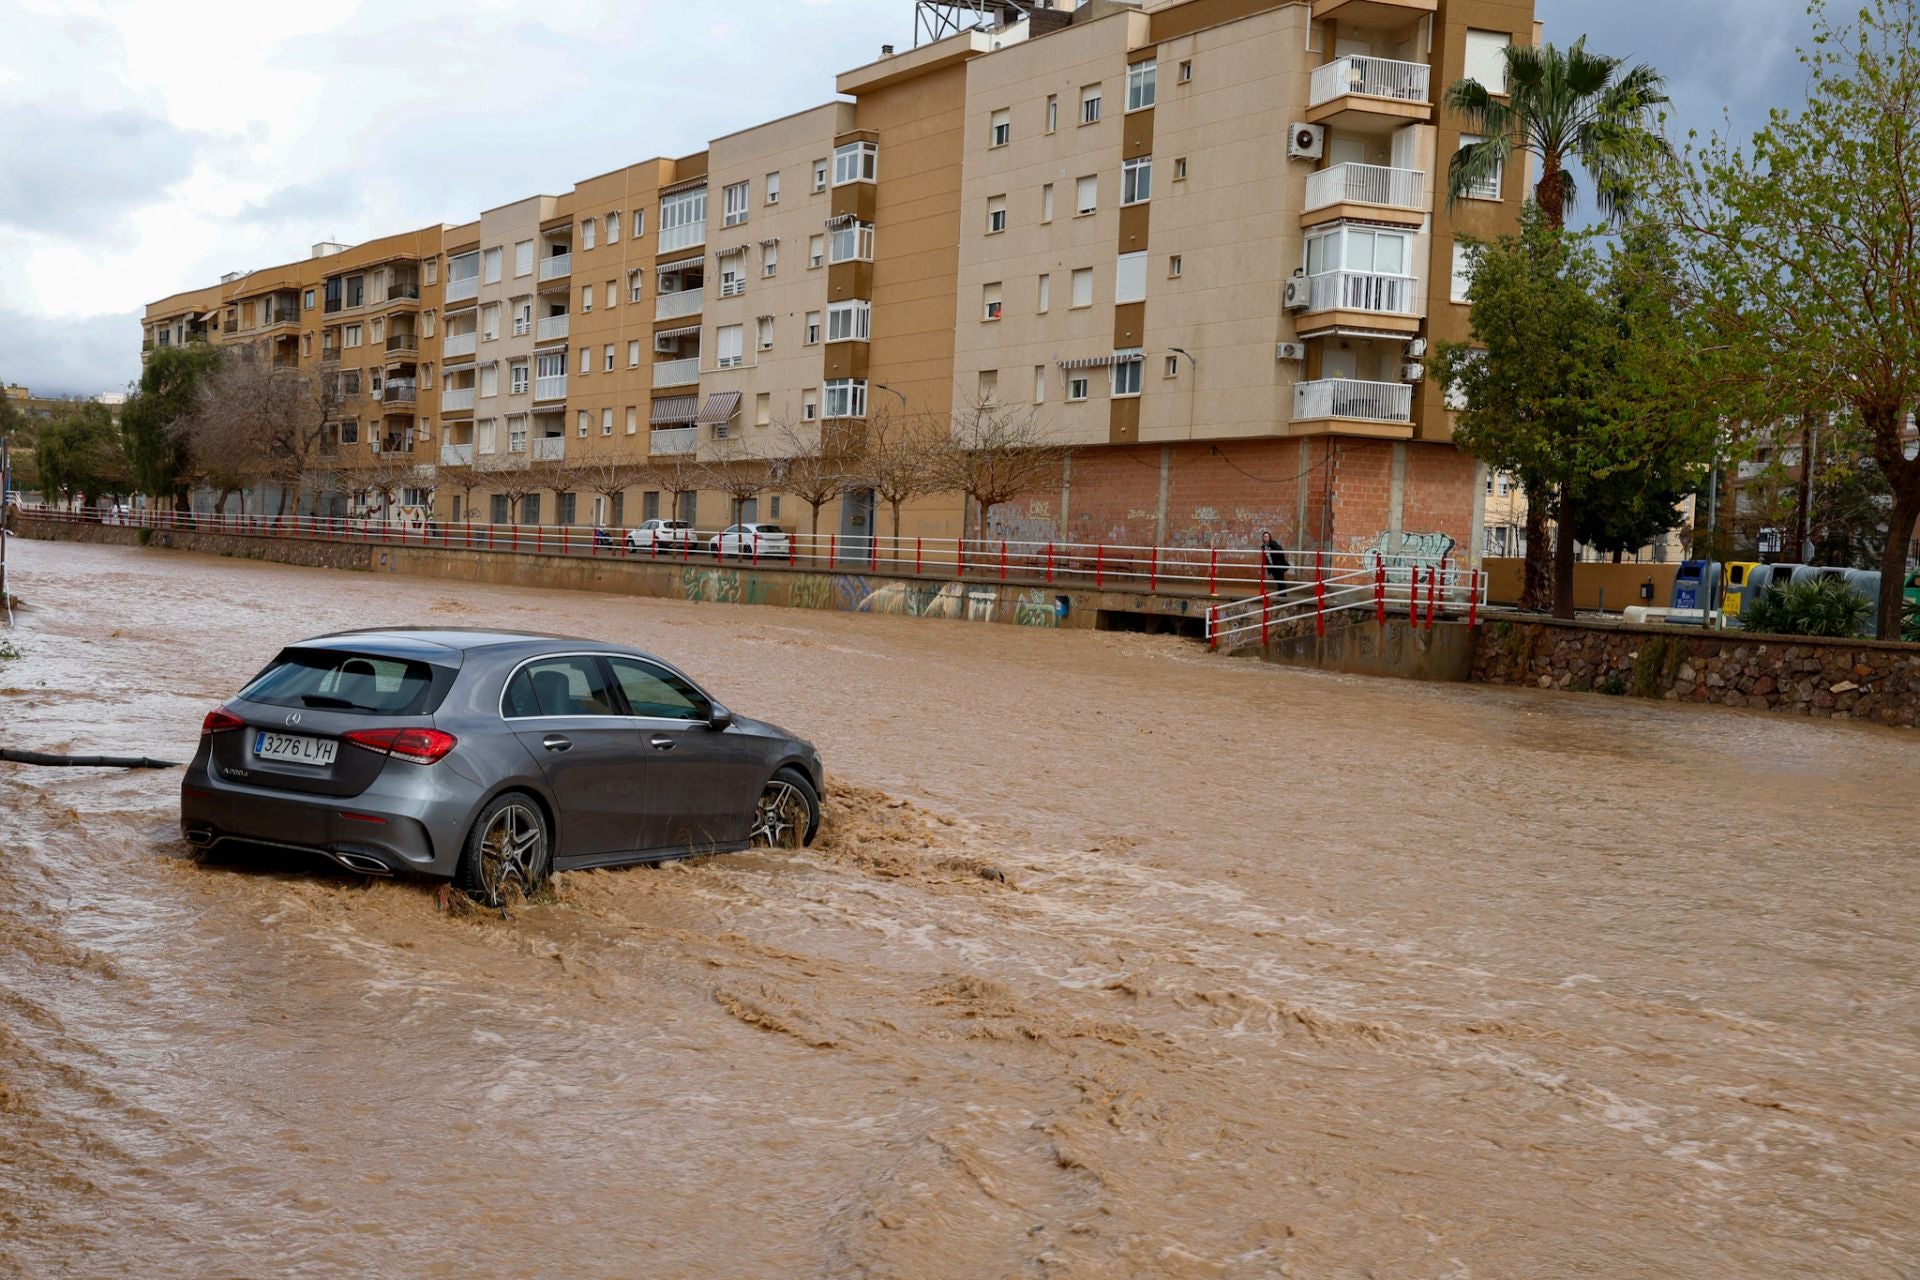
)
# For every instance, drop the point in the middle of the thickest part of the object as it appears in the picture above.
(512, 852)
(780, 819)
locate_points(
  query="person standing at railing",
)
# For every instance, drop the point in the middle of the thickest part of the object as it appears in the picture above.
(1273, 560)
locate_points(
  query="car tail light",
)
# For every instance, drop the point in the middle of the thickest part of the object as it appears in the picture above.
(219, 720)
(420, 746)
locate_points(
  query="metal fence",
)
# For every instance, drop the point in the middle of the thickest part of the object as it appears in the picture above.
(1371, 584)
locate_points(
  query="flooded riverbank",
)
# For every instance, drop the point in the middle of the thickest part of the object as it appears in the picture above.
(1114, 960)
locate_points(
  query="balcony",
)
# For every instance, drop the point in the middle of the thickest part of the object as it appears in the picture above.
(456, 345)
(456, 399)
(403, 290)
(552, 386)
(556, 266)
(676, 373)
(398, 393)
(1370, 291)
(460, 290)
(549, 448)
(277, 316)
(673, 440)
(1373, 86)
(1354, 401)
(1394, 195)
(551, 328)
(456, 455)
(1372, 13)
(671, 306)
(403, 344)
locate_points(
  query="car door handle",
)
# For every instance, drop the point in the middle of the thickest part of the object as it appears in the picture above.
(661, 742)
(556, 742)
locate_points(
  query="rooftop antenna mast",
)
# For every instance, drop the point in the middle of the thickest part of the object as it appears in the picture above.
(937, 19)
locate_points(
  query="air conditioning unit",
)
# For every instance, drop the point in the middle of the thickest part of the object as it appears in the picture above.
(1412, 372)
(664, 346)
(1306, 141)
(1416, 348)
(1290, 351)
(1298, 295)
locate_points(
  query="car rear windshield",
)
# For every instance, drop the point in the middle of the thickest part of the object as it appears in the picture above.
(766, 528)
(337, 680)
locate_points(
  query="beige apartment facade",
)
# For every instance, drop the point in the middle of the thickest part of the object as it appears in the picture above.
(1203, 245)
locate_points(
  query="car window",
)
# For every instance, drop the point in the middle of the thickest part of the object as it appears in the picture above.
(335, 681)
(654, 691)
(570, 686)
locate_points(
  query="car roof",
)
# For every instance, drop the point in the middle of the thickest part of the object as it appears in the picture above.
(430, 642)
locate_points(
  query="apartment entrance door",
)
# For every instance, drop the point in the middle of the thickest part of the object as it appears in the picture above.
(856, 523)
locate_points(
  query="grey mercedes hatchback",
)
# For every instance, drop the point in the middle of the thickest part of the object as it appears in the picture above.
(493, 758)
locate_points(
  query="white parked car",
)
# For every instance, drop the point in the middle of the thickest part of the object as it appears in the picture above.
(751, 541)
(660, 536)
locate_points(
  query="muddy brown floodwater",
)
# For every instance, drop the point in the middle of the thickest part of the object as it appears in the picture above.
(1113, 960)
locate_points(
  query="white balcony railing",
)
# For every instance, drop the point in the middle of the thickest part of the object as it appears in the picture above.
(1363, 291)
(456, 455)
(552, 386)
(460, 290)
(674, 440)
(1366, 184)
(684, 236)
(455, 345)
(1369, 78)
(454, 399)
(555, 266)
(549, 448)
(1352, 398)
(671, 306)
(551, 327)
(676, 373)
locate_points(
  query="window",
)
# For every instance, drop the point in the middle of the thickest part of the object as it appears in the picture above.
(1126, 372)
(432, 266)
(483, 438)
(733, 274)
(809, 405)
(564, 508)
(491, 258)
(634, 282)
(1086, 196)
(378, 329)
(1173, 265)
(1090, 104)
(655, 692)
(1488, 189)
(988, 386)
(819, 175)
(763, 332)
(846, 321)
(489, 380)
(523, 258)
(1462, 272)
(350, 432)
(683, 219)
(855, 162)
(1039, 384)
(1136, 180)
(357, 285)
(633, 353)
(613, 228)
(607, 358)
(522, 318)
(517, 443)
(1365, 249)
(650, 505)
(587, 237)
(990, 301)
(550, 364)
(582, 421)
(773, 187)
(996, 214)
(762, 409)
(633, 419)
(1000, 128)
(1045, 294)
(517, 372)
(606, 421)
(586, 360)
(306, 300)
(1141, 78)
(613, 298)
(557, 686)
(733, 203)
(816, 251)
(1186, 72)
(490, 322)
(1077, 387)
(813, 327)
(773, 507)
(727, 343)
(1180, 169)
(1046, 203)
(1172, 367)
(426, 324)
(639, 223)
(1053, 112)
(847, 398)
(852, 243)
(1130, 278)
(1487, 59)
(586, 298)
(1083, 286)
(352, 335)
(769, 259)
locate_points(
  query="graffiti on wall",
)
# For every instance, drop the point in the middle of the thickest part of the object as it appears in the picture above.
(1413, 546)
(854, 593)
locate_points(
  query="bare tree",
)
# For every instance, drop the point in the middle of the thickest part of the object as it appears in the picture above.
(464, 477)
(604, 471)
(511, 478)
(386, 476)
(678, 474)
(993, 454)
(738, 470)
(898, 461)
(803, 468)
(245, 412)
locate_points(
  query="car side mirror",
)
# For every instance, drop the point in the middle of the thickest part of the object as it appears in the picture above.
(718, 717)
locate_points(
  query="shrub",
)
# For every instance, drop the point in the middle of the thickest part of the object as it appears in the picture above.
(1823, 607)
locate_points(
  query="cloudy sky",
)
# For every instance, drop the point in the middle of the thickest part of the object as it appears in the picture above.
(148, 147)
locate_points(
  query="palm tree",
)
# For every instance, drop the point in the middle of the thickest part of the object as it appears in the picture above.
(1561, 107)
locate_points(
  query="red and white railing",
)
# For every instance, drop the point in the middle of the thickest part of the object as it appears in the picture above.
(1326, 586)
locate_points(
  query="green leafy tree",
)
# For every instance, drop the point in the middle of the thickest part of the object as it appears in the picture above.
(18, 430)
(154, 422)
(79, 456)
(1561, 108)
(1805, 245)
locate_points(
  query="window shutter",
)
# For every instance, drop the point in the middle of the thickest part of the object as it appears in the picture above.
(1130, 278)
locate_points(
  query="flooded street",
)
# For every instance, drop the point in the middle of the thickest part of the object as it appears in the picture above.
(1114, 959)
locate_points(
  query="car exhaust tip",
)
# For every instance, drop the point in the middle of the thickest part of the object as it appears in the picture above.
(365, 865)
(199, 837)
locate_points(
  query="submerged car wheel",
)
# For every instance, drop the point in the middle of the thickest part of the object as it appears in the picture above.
(507, 850)
(788, 813)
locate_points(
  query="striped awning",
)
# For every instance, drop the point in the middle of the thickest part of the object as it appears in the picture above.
(1086, 362)
(685, 330)
(839, 220)
(678, 264)
(731, 249)
(675, 409)
(720, 407)
(770, 240)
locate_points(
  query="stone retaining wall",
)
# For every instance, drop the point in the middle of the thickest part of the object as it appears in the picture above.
(1843, 679)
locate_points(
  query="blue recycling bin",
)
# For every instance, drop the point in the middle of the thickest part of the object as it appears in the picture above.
(1693, 585)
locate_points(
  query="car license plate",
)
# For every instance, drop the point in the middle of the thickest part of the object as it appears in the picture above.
(294, 748)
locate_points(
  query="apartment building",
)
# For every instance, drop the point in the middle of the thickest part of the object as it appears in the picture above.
(1203, 243)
